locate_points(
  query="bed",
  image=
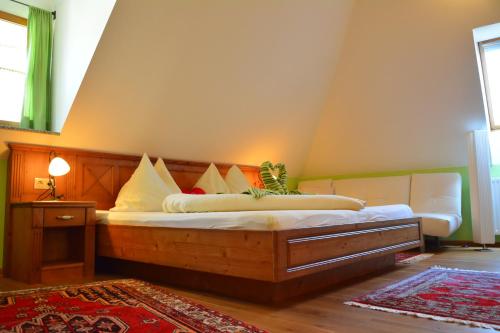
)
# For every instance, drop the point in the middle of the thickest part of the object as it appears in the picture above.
(260, 256)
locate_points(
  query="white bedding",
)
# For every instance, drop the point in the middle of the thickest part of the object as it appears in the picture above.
(255, 220)
(189, 203)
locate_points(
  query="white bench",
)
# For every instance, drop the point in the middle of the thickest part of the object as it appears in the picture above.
(434, 197)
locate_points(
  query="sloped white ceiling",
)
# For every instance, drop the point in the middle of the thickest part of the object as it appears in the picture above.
(406, 89)
(243, 81)
(223, 80)
(77, 32)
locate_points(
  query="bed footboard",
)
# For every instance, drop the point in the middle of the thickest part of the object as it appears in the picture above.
(272, 256)
(260, 266)
(307, 251)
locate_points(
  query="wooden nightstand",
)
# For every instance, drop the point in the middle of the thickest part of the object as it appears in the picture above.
(51, 241)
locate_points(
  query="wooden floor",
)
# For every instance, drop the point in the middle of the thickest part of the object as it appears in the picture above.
(327, 313)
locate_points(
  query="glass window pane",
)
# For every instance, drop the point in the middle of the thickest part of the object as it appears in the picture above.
(13, 40)
(492, 65)
(11, 95)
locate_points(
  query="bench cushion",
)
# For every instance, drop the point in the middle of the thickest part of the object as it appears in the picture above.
(436, 193)
(439, 225)
(321, 186)
(377, 191)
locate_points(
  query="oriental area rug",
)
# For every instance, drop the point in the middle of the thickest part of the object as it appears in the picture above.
(411, 257)
(443, 294)
(110, 306)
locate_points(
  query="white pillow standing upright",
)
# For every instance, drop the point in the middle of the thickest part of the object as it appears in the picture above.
(167, 178)
(144, 191)
(212, 182)
(236, 180)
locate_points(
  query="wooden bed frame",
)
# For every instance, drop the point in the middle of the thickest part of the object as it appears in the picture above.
(264, 266)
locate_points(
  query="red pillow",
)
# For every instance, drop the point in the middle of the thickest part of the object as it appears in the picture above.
(194, 190)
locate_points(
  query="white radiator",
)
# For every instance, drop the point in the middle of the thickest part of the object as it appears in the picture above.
(495, 191)
(483, 226)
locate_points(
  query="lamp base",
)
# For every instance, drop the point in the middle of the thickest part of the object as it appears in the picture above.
(52, 199)
(52, 186)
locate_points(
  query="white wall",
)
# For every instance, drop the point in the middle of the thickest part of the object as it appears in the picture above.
(77, 31)
(230, 81)
(406, 90)
(22, 11)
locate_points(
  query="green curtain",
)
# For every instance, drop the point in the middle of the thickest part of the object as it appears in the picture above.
(37, 109)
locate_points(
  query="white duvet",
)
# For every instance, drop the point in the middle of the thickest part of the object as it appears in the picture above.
(255, 220)
(188, 203)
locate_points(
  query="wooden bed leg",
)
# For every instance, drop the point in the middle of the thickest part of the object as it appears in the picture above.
(422, 247)
(422, 237)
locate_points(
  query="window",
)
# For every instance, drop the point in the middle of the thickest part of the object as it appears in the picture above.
(490, 61)
(13, 43)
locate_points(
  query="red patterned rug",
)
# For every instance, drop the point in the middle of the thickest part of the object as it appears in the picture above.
(110, 306)
(411, 257)
(444, 294)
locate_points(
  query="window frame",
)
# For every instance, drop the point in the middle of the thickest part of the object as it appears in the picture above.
(489, 108)
(20, 21)
(13, 18)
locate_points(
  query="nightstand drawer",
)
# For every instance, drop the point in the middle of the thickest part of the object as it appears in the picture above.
(63, 217)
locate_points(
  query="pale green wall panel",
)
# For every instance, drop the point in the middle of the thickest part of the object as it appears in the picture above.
(495, 171)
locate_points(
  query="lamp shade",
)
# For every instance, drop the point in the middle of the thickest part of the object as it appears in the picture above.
(58, 167)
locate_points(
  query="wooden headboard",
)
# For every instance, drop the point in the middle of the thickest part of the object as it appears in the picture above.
(94, 176)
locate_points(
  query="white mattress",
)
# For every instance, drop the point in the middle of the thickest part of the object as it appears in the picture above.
(255, 220)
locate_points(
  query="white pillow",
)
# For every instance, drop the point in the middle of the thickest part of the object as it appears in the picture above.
(236, 180)
(144, 191)
(164, 174)
(212, 182)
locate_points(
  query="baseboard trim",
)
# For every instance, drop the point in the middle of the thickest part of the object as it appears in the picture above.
(465, 243)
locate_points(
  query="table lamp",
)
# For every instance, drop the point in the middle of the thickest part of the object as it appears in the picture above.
(57, 167)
